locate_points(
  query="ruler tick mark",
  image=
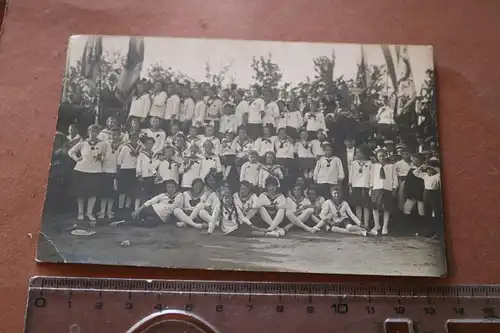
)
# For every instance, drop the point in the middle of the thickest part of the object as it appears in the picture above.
(58, 291)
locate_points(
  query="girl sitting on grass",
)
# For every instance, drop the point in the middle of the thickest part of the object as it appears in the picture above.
(272, 205)
(299, 210)
(338, 217)
(232, 221)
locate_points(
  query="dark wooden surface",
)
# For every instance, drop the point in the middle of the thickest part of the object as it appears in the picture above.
(466, 36)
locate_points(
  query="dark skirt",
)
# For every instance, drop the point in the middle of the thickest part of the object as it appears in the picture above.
(244, 230)
(324, 190)
(292, 132)
(360, 197)
(382, 200)
(167, 123)
(271, 211)
(312, 135)
(227, 160)
(146, 188)
(127, 181)
(258, 222)
(185, 125)
(86, 184)
(149, 216)
(433, 203)
(306, 163)
(272, 129)
(287, 163)
(108, 185)
(254, 131)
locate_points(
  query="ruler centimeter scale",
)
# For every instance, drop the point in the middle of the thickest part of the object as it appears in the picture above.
(84, 305)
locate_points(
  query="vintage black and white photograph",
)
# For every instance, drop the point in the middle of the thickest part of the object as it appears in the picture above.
(246, 155)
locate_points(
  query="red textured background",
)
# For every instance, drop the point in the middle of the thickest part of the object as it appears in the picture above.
(466, 36)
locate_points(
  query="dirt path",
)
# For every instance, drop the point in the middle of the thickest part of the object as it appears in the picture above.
(168, 246)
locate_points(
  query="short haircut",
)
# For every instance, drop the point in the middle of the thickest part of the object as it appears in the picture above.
(418, 156)
(258, 88)
(253, 153)
(149, 139)
(197, 180)
(313, 188)
(270, 152)
(326, 145)
(94, 127)
(170, 181)
(335, 188)
(246, 183)
(271, 181)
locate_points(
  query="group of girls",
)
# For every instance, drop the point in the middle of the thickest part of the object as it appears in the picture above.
(105, 167)
(254, 143)
(210, 206)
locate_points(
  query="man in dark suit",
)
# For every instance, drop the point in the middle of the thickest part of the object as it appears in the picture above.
(346, 151)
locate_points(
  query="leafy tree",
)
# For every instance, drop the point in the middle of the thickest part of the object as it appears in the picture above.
(158, 72)
(80, 92)
(371, 97)
(267, 73)
(428, 95)
(217, 79)
(324, 68)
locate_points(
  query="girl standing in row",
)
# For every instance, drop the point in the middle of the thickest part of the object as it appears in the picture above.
(109, 169)
(359, 185)
(126, 176)
(88, 155)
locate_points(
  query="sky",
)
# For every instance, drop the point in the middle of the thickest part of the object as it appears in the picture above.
(189, 56)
